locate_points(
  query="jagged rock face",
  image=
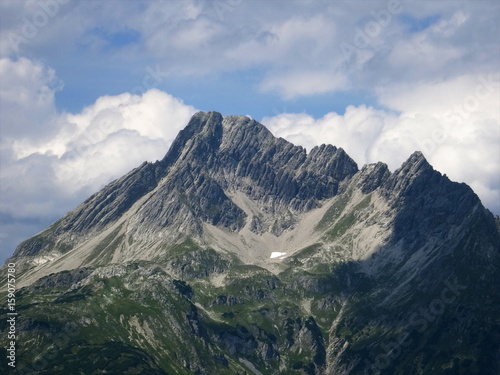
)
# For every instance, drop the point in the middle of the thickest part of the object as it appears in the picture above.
(211, 156)
(242, 253)
(236, 153)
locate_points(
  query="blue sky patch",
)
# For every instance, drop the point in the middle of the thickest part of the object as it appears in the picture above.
(415, 25)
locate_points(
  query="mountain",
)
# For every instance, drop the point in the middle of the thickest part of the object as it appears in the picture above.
(240, 253)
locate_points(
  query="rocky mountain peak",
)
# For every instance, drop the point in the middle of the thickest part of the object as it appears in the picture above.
(373, 176)
(200, 138)
(241, 251)
(217, 163)
(239, 153)
(413, 174)
(415, 164)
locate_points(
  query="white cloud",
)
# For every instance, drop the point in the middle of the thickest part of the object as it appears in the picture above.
(109, 138)
(419, 54)
(116, 134)
(294, 43)
(448, 27)
(355, 131)
(463, 94)
(195, 34)
(293, 84)
(26, 98)
(455, 123)
(46, 173)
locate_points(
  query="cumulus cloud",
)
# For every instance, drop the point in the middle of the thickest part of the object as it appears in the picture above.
(461, 95)
(94, 146)
(52, 164)
(455, 123)
(116, 134)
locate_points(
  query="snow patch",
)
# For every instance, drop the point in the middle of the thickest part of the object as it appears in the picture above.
(277, 254)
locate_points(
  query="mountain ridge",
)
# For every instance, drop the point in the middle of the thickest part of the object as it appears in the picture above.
(216, 156)
(249, 253)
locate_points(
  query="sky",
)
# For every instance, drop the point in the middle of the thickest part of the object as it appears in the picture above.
(91, 89)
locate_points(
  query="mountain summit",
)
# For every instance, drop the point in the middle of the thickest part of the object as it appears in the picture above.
(216, 173)
(240, 252)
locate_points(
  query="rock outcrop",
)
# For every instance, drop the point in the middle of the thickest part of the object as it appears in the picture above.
(239, 252)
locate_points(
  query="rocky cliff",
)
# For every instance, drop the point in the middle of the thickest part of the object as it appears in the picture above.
(239, 252)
